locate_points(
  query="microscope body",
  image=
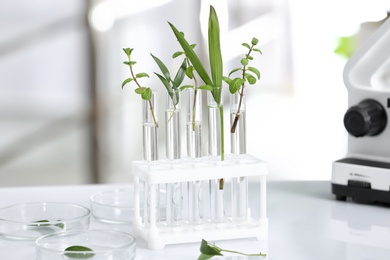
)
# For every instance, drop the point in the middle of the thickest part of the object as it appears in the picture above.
(364, 174)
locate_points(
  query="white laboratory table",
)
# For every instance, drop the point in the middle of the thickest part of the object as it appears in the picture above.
(305, 222)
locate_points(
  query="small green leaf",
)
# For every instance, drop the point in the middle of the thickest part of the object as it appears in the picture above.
(180, 75)
(130, 63)
(177, 54)
(185, 87)
(126, 81)
(250, 57)
(142, 75)
(235, 85)
(227, 80)
(128, 51)
(139, 91)
(246, 45)
(206, 87)
(190, 72)
(251, 79)
(162, 67)
(147, 94)
(78, 252)
(255, 71)
(207, 249)
(244, 61)
(193, 46)
(231, 72)
(258, 50)
(255, 41)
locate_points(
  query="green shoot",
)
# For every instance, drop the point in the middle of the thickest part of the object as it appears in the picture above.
(248, 74)
(144, 92)
(209, 250)
(191, 75)
(172, 86)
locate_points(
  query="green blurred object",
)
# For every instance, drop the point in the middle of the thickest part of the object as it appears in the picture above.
(346, 46)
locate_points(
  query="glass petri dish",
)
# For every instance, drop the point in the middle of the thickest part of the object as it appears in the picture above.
(113, 206)
(28, 221)
(88, 244)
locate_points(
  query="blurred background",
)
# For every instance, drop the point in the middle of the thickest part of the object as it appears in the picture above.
(64, 118)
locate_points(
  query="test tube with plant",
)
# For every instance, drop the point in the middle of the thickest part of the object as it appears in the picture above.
(174, 197)
(246, 74)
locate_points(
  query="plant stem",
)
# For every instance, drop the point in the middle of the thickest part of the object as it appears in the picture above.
(237, 252)
(238, 113)
(222, 181)
(240, 253)
(150, 102)
(194, 108)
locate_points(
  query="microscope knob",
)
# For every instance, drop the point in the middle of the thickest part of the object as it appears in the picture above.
(367, 118)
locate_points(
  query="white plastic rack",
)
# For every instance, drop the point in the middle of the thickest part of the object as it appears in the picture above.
(153, 182)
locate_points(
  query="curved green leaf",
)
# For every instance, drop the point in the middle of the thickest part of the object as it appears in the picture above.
(126, 81)
(162, 67)
(142, 75)
(166, 84)
(246, 45)
(255, 71)
(177, 54)
(185, 87)
(206, 87)
(227, 80)
(251, 79)
(258, 50)
(231, 72)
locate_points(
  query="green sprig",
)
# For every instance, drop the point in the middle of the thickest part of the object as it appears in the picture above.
(209, 250)
(144, 92)
(248, 74)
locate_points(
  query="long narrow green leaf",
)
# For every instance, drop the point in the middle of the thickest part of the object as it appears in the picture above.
(215, 54)
(162, 67)
(166, 84)
(192, 55)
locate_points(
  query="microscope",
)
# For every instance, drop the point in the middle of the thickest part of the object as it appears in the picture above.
(364, 174)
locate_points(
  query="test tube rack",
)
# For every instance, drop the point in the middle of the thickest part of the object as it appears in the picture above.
(151, 178)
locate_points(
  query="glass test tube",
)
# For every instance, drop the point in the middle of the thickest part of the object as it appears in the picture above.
(238, 147)
(194, 151)
(150, 152)
(216, 194)
(174, 195)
